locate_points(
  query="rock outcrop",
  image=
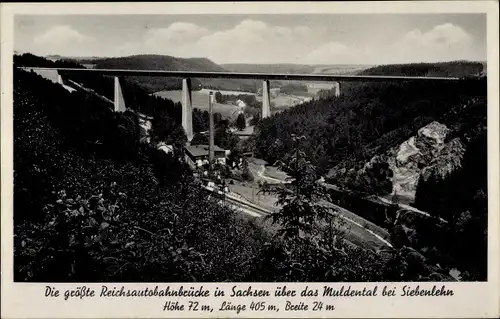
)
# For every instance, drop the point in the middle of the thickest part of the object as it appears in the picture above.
(412, 156)
(424, 156)
(448, 161)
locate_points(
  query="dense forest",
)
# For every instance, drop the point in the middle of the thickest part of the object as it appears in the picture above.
(442, 69)
(156, 62)
(367, 120)
(170, 63)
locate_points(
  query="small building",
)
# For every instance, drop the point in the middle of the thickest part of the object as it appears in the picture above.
(240, 103)
(197, 155)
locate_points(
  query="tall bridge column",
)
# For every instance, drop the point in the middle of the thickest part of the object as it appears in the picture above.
(187, 109)
(266, 99)
(119, 100)
(337, 89)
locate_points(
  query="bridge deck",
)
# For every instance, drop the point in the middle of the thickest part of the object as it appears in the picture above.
(256, 76)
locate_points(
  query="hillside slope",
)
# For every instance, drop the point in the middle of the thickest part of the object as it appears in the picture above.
(444, 69)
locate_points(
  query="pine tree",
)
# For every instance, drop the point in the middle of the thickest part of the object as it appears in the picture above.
(299, 196)
(241, 122)
(246, 174)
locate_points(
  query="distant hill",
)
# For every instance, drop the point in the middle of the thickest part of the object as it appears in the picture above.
(265, 68)
(74, 58)
(450, 69)
(341, 68)
(155, 62)
(165, 62)
(295, 68)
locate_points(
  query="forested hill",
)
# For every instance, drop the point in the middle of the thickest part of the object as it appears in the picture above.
(155, 62)
(443, 69)
(31, 60)
(135, 96)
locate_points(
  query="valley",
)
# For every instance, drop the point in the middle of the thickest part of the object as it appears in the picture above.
(387, 156)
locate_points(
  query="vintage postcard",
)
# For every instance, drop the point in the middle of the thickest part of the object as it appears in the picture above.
(265, 159)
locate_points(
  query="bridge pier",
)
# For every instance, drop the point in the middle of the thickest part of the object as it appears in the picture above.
(266, 99)
(119, 101)
(187, 109)
(59, 79)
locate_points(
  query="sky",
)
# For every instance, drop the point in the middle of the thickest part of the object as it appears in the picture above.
(286, 38)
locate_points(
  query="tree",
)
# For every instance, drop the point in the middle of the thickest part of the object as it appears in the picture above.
(246, 174)
(217, 118)
(225, 139)
(200, 121)
(177, 138)
(162, 125)
(255, 119)
(218, 97)
(241, 122)
(299, 197)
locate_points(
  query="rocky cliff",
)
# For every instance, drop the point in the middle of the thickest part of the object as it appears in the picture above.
(426, 156)
(423, 156)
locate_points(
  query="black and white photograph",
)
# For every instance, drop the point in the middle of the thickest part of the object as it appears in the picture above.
(250, 148)
(250, 160)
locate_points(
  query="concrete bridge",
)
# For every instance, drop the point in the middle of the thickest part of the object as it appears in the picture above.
(119, 103)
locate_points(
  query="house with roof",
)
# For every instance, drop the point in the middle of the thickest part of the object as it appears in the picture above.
(197, 155)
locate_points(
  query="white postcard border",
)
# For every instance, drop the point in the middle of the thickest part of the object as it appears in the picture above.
(21, 300)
